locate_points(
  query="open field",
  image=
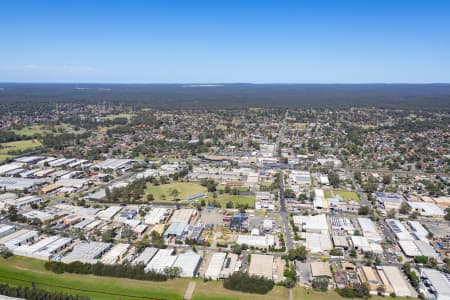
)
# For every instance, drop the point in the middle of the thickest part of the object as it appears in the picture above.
(33, 130)
(236, 199)
(213, 290)
(185, 189)
(346, 195)
(17, 146)
(98, 288)
(26, 270)
(221, 187)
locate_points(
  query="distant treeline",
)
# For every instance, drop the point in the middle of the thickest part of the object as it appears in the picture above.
(36, 294)
(121, 271)
(408, 96)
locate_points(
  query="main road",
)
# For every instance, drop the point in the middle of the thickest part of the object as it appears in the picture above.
(283, 211)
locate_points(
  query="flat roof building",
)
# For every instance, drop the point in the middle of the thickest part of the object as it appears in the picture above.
(369, 229)
(146, 255)
(215, 265)
(261, 265)
(189, 264)
(87, 252)
(397, 281)
(399, 230)
(115, 254)
(434, 284)
(164, 258)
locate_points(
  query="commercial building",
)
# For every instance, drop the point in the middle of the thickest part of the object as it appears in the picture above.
(434, 285)
(261, 265)
(109, 213)
(340, 241)
(115, 164)
(320, 270)
(258, 241)
(342, 224)
(368, 275)
(389, 200)
(164, 258)
(23, 201)
(418, 231)
(215, 265)
(313, 224)
(45, 248)
(6, 229)
(230, 265)
(398, 282)
(318, 242)
(175, 230)
(427, 209)
(399, 230)
(146, 255)
(189, 264)
(19, 238)
(115, 254)
(157, 215)
(183, 215)
(19, 184)
(364, 244)
(369, 229)
(87, 252)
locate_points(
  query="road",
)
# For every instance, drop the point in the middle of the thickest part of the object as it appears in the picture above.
(385, 171)
(285, 215)
(283, 211)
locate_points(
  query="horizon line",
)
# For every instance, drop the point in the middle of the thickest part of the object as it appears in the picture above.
(212, 84)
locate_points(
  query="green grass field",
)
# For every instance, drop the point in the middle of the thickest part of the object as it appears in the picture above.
(17, 146)
(34, 130)
(221, 187)
(236, 199)
(346, 195)
(94, 286)
(185, 189)
(24, 270)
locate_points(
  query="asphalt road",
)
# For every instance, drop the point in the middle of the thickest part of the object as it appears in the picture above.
(284, 215)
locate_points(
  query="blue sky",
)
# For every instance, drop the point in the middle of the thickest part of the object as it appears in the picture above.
(168, 41)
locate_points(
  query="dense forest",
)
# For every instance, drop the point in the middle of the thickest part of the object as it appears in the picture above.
(430, 96)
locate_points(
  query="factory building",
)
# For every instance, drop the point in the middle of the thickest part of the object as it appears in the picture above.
(19, 238)
(164, 258)
(261, 265)
(146, 255)
(398, 282)
(189, 264)
(87, 252)
(215, 265)
(115, 254)
(434, 285)
(399, 230)
(369, 229)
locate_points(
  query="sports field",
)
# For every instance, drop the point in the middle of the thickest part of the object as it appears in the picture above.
(17, 146)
